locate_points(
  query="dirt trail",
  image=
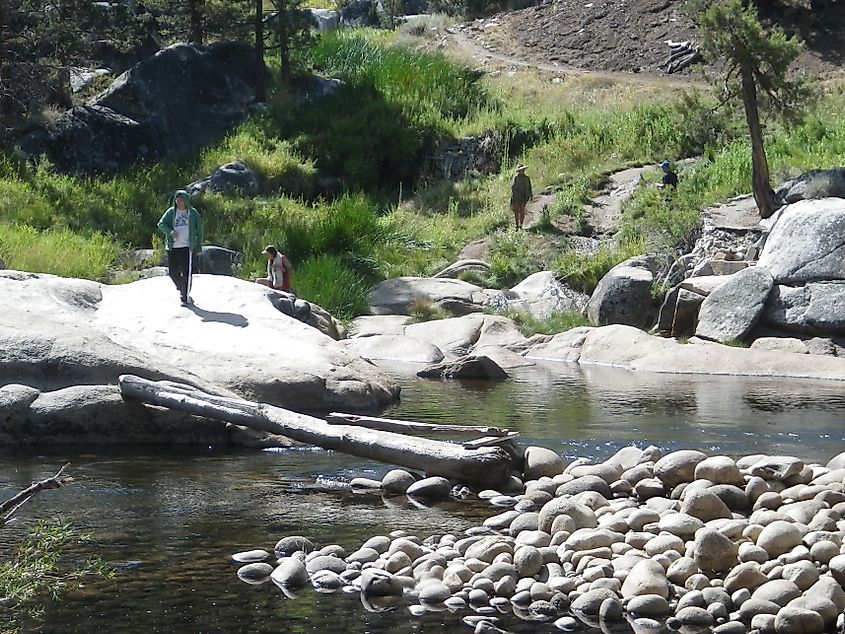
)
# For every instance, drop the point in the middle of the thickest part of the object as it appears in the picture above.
(485, 57)
(604, 212)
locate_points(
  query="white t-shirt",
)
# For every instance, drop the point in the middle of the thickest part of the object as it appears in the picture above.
(180, 226)
(276, 271)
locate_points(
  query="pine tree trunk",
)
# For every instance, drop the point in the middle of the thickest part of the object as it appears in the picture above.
(4, 73)
(260, 70)
(195, 33)
(284, 51)
(760, 181)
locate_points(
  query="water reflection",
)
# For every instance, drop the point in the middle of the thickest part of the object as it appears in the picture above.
(171, 520)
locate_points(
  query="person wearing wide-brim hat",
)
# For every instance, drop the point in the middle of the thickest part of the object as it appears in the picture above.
(520, 195)
(279, 270)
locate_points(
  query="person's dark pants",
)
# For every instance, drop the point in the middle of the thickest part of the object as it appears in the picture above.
(180, 267)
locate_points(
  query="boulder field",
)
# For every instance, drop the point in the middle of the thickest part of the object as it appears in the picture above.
(682, 541)
(795, 290)
(395, 338)
(59, 334)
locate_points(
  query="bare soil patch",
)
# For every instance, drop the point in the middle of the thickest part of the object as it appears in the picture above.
(631, 36)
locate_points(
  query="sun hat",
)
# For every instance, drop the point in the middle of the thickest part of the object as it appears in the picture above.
(520, 167)
(665, 164)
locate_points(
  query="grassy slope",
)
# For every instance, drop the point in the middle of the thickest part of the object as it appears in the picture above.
(375, 133)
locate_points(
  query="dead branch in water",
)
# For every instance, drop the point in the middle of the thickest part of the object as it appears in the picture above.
(10, 506)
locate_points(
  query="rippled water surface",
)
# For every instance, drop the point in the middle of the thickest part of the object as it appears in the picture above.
(170, 520)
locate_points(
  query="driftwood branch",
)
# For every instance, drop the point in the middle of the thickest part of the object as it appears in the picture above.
(484, 466)
(410, 427)
(10, 506)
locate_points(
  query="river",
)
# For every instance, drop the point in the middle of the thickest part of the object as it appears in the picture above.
(169, 520)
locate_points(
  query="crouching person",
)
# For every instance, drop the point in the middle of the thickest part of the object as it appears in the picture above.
(279, 270)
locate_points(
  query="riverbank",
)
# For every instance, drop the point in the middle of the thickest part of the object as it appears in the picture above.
(169, 514)
(241, 340)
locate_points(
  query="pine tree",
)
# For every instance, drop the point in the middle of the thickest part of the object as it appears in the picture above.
(292, 30)
(40, 41)
(755, 72)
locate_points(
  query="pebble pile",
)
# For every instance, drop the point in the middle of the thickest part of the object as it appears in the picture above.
(643, 540)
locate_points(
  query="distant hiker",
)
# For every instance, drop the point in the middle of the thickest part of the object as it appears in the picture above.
(279, 270)
(670, 178)
(520, 195)
(182, 228)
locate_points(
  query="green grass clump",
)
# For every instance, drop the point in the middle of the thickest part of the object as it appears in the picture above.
(429, 86)
(558, 322)
(57, 251)
(512, 258)
(329, 281)
(377, 130)
(475, 277)
(423, 310)
(583, 271)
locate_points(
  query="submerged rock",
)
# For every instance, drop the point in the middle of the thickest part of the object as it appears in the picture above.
(471, 367)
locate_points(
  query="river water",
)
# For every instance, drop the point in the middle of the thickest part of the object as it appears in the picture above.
(169, 521)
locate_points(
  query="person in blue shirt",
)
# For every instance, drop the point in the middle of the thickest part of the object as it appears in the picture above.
(670, 178)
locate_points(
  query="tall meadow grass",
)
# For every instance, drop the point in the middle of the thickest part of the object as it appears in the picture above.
(57, 251)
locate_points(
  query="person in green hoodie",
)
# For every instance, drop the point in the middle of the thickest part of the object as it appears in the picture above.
(182, 228)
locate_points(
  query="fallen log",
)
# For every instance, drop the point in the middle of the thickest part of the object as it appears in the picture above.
(484, 466)
(409, 426)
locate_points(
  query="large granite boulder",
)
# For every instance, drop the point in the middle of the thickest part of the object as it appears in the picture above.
(806, 242)
(394, 338)
(396, 296)
(732, 310)
(679, 312)
(98, 414)
(57, 332)
(543, 295)
(168, 105)
(632, 349)
(623, 296)
(219, 260)
(815, 308)
(814, 184)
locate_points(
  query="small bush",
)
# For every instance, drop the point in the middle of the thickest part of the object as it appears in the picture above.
(423, 310)
(474, 277)
(584, 271)
(512, 258)
(559, 322)
(329, 281)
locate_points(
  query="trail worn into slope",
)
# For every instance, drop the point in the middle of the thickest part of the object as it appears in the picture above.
(465, 41)
(629, 37)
